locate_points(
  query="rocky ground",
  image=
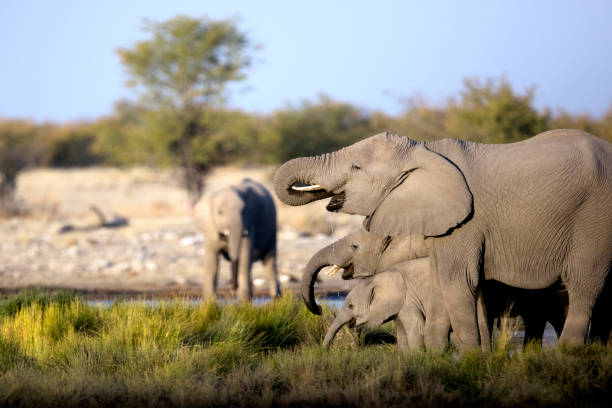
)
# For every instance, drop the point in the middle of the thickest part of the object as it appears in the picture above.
(160, 251)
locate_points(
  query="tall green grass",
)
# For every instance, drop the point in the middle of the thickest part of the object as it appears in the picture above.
(58, 350)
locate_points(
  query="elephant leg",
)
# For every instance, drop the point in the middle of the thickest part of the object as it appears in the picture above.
(272, 272)
(411, 323)
(400, 335)
(245, 284)
(211, 267)
(601, 321)
(534, 328)
(437, 325)
(484, 322)
(459, 283)
(583, 292)
(437, 331)
(234, 272)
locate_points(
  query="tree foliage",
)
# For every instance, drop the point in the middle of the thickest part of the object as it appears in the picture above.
(181, 72)
(312, 129)
(493, 113)
(20, 147)
(139, 134)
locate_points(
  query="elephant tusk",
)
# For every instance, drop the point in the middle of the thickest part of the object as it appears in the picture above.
(313, 187)
(333, 270)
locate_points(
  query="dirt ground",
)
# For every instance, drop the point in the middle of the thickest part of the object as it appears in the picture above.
(159, 252)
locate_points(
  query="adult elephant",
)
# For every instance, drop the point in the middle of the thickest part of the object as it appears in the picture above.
(239, 223)
(527, 214)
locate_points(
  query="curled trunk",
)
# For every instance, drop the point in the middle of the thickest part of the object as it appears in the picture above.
(334, 254)
(306, 171)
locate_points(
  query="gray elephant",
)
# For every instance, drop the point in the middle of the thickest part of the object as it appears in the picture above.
(406, 292)
(527, 214)
(238, 222)
(362, 254)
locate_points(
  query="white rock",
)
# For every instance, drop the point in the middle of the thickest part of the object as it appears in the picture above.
(191, 240)
(180, 280)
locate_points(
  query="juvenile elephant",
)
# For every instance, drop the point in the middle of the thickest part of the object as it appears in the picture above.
(405, 292)
(527, 214)
(238, 222)
(362, 254)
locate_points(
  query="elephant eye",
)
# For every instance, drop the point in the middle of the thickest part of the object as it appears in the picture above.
(354, 246)
(355, 166)
(350, 306)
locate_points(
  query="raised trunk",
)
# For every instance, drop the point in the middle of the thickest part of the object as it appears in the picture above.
(305, 171)
(336, 325)
(334, 254)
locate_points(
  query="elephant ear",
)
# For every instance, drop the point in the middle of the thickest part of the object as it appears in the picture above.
(430, 197)
(386, 297)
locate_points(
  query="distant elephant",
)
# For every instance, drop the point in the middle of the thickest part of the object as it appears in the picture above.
(404, 292)
(362, 254)
(527, 214)
(238, 222)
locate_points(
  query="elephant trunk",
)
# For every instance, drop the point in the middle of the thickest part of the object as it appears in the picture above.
(234, 240)
(334, 254)
(336, 325)
(305, 170)
(234, 243)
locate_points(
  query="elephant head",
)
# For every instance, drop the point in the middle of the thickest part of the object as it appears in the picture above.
(373, 301)
(227, 217)
(403, 187)
(361, 254)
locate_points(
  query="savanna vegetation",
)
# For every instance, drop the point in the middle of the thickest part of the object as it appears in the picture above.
(59, 350)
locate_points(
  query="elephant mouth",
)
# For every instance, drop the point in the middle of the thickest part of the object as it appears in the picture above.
(336, 203)
(348, 272)
(352, 323)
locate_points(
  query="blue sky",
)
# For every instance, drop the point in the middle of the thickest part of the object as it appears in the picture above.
(58, 59)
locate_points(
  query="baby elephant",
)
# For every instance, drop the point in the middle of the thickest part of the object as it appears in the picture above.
(405, 292)
(238, 222)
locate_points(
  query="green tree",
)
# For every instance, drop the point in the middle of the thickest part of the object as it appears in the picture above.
(20, 147)
(181, 72)
(313, 128)
(420, 121)
(493, 113)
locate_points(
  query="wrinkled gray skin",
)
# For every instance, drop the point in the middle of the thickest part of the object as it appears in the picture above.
(527, 214)
(238, 222)
(362, 254)
(407, 292)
